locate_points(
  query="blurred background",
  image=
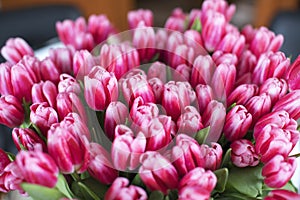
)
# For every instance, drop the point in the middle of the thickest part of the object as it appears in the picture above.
(34, 20)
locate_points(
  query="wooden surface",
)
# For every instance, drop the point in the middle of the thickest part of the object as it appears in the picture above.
(116, 10)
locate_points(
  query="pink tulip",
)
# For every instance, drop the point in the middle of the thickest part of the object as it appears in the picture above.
(127, 149)
(182, 54)
(219, 6)
(68, 83)
(175, 99)
(242, 94)
(175, 24)
(12, 112)
(121, 190)
(135, 86)
(246, 64)
(157, 70)
(134, 17)
(32, 66)
(270, 65)
(198, 177)
(190, 121)
(37, 168)
(100, 88)
(50, 71)
(290, 103)
(63, 58)
(204, 95)
(44, 92)
(243, 153)
(232, 43)
(278, 171)
(214, 116)
(43, 116)
(272, 141)
(220, 57)
(192, 38)
(143, 40)
(195, 14)
(83, 62)
(115, 114)
(282, 194)
(4, 160)
(11, 178)
(292, 75)
(157, 173)
(212, 156)
(100, 166)
(223, 81)
(157, 87)
(70, 150)
(258, 106)
(67, 103)
(213, 29)
(182, 73)
(237, 123)
(275, 88)
(100, 28)
(173, 40)
(15, 49)
(202, 71)
(185, 155)
(26, 139)
(193, 193)
(5, 79)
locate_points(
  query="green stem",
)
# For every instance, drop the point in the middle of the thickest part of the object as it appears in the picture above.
(75, 176)
(296, 155)
(39, 132)
(90, 192)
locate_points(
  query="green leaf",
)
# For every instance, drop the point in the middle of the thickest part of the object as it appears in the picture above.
(89, 189)
(173, 194)
(156, 195)
(247, 181)
(202, 135)
(226, 158)
(138, 181)
(63, 187)
(196, 25)
(38, 192)
(222, 176)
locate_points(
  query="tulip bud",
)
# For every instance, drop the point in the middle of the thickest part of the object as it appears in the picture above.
(246, 64)
(220, 57)
(115, 114)
(272, 141)
(5, 79)
(232, 43)
(243, 153)
(15, 49)
(101, 88)
(292, 75)
(290, 103)
(143, 40)
(157, 173)
(189, 121)
(44, 92)
(223, 81)
(212, 156)
(192, 38)
(185, 155)
(121, 190)
(68, 84)
(202, 71)
(136, 16)
(206, 180)
(213, 29)
(173, 40)
(43, 116)
(50, 71)
(63, 58)
(281, 194)
(12, 112)
(100, 28)
(11, 178)
(237, 123)
(157, 87)
(220, 6)
(182, 54)
(275, 88)
(175, 99)
(204, 95)
(26, 139)
(157, 70)
(83, 62)
(69, 150)
(192, 17)
(37, 168)
(127, 149)
(100, 166)
(4, 161)
(175, 24)
(32, 66)
(259, 106)
(214, 116)
(242, 93)
(182, 73)
(270, 65)
(278, 171)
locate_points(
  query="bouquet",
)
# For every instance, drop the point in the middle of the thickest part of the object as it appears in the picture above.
(195, 110)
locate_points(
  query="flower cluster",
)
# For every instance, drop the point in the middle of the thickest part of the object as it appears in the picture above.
(195, 110)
